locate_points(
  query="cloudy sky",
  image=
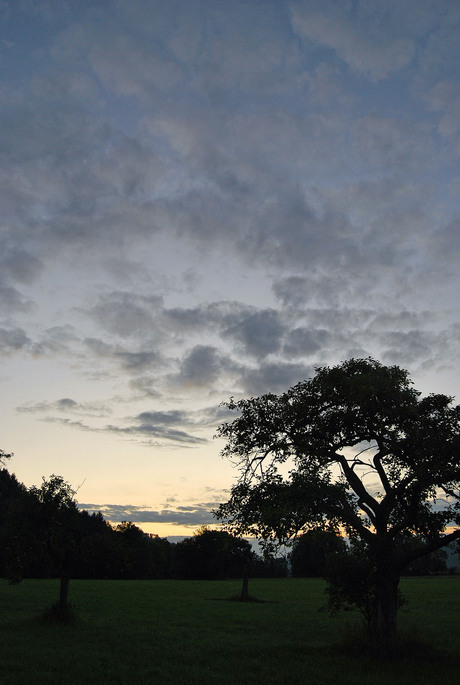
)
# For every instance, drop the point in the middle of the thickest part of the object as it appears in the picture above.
(206, 198)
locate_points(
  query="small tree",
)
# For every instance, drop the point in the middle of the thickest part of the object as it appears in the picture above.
(362, 450)
(57, 526)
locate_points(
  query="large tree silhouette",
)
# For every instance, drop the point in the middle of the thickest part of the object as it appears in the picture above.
(362, 450)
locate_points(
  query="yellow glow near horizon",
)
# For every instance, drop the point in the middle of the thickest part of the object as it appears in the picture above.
(164, 530)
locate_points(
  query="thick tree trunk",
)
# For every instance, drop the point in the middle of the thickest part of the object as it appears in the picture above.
(64, 593)
(382, 622)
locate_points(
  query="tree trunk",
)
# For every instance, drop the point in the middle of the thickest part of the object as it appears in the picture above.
(382, 622)
(63, 593)
(245, 587)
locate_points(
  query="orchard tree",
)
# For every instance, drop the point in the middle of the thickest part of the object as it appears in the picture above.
(58, 530)
(357, 448)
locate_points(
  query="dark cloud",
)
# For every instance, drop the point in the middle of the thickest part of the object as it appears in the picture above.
(69, 406)
(161, 425)
(126, 314)
(305, 342)
(215, 415)
(219, 315)
(299, 291)
(193, 515)
(11, 300)
(13, 340)
(274, 377)
(170, 418)
(201, 367)
(408, 347)
(137, 361)
(445, 244)
(131, 361)
(153, 433)
(260, 333)
(20, 265)
(359, 39)
(157, 432)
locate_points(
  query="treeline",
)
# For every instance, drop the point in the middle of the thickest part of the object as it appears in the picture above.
(43, 534)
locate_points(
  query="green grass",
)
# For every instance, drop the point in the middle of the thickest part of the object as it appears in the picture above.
(184, 633)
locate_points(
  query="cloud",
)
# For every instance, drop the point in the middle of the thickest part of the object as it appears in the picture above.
(11, 300)
(260, 333)
(370, 40)
(157, 432)
(67, 405)
(274, 377)
(143, 431)
(20, 265)
(294, 292)
(13, 340)
(127, 314)
(193, 515)
(165, 426)
(200, 367)
(304, 342)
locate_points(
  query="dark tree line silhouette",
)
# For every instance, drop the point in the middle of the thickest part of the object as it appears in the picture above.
(43, 534)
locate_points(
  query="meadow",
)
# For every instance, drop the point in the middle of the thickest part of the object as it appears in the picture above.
(187, 633)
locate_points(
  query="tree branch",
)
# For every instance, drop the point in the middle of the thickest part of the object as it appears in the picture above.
(354, 481)
(429, 547)
(381, 471)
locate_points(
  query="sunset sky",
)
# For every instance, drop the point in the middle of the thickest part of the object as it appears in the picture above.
(208, 198)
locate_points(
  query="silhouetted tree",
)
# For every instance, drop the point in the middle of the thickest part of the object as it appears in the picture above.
(312, 551)
(17, 543)
(143, 555)
(340, 433)
(212, 555)
(57, 526)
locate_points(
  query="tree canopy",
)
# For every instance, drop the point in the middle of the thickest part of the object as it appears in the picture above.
(355, 448)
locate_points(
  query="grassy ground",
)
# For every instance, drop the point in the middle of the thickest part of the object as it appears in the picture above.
(185, 633)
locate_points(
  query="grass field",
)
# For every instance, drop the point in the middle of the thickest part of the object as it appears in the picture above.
(184, 633)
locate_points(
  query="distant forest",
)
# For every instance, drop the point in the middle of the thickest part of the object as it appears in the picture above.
(43, 534)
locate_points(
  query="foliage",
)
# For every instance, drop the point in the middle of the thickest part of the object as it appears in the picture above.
(17, 544)
(212, 555)
(312, 552)
(276, 510)
(43, 534)
(370, 455)
(423, 564)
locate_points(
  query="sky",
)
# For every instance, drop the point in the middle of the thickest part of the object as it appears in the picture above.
(202, 199)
